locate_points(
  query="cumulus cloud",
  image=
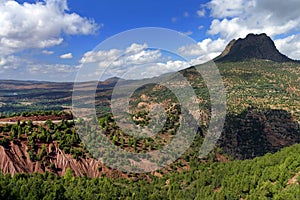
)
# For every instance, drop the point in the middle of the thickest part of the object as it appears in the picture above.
(237, 18)
(201, 13)
(12, 62)
(227, 8)
(207, 49)
(190, 50)
(135, 48)
(38, 25)
(290, 46)
(133, 62)
(66, 56)
(135, 54)
(101, 56)
(117, 62)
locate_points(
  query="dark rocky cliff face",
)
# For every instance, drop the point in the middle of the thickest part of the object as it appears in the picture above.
(252, 47)
(257, 132)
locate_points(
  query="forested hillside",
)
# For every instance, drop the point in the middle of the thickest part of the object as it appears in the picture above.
(268, 177)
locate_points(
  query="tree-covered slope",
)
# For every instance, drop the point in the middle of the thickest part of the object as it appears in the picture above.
(273, 176)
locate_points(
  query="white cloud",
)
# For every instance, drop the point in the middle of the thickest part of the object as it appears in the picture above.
(15, 67)
(66, 56)
(135, 48)
(137, 61)
(101, 56)
(139, 58)
(289, 46)
(12, 62)
(118, 61)
(206, 50)
(46, 52)
(48, 72)
(227, 8)
(190, 50)
(134, 62)
(50, 69)
(155, 69)
(237, 18)
(212, 46)
(133, 54)
(201, 13)
(38, 25)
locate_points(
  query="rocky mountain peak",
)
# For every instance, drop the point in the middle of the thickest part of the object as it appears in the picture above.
(254, 46)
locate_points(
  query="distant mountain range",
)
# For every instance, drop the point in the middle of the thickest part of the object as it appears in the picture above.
(253, 46)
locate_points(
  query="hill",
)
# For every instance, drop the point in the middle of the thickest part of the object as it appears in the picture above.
(269, 177)
(262, 117)
(252, 47)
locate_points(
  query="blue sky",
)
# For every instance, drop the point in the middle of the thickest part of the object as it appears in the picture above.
(117, 16)
(49, 40)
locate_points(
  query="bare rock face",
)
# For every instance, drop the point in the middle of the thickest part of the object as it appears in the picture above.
(252, 47)
(14, 159)
(257, 132)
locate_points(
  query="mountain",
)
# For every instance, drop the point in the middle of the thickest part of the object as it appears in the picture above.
(254, 46)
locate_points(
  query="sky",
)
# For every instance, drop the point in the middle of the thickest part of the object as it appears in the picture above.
(51, 40)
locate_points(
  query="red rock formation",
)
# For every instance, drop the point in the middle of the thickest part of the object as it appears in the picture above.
(15, 159)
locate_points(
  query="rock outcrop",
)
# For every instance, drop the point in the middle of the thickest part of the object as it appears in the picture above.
(14, 158)
(253, 46)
